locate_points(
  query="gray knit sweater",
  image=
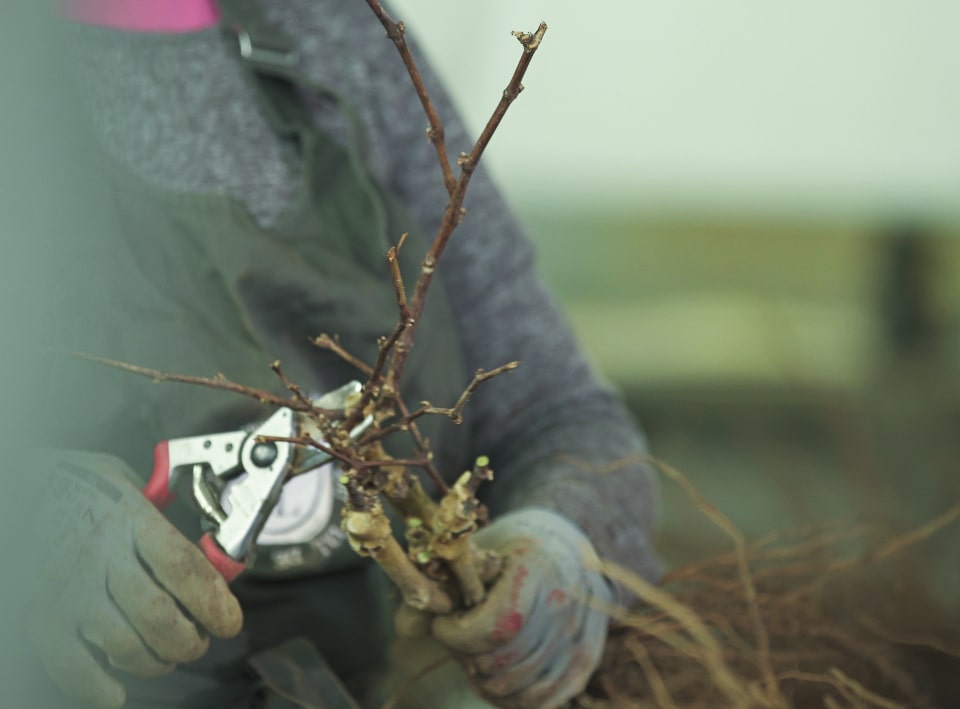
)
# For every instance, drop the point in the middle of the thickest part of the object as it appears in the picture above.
(175, 110)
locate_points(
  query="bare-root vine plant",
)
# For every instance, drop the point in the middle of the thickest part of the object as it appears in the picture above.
(718, 633)
(441, 568)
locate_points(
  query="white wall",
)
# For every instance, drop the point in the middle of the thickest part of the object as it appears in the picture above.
(821, 104)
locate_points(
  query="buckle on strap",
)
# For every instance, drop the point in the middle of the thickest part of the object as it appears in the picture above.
(261, 44)
(260, 52)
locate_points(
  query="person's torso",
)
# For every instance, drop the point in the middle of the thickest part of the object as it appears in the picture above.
(193, 283)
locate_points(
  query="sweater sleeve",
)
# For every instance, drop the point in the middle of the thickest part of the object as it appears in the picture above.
(558, 437)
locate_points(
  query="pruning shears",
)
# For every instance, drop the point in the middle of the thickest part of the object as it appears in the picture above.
(255, 469)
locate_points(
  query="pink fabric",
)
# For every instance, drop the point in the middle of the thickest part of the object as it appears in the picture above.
(164, 16)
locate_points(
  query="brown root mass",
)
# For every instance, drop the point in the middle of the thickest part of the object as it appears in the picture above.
(813, 619)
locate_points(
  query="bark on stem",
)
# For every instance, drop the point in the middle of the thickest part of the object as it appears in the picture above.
(370, 535)
(376, 388)
(311, 442)
(455, 521)
(423, 448)
(465, 567)
(456, 412)
(291, 386)
(397, 277)
(435, 132)
(294, 403)
(325, 342)
(454, 210)
(409, 499)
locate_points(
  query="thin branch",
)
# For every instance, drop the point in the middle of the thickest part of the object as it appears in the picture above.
(454, 211)
(325, 342)
(397, 279)
(435, 132)
(308, 441)
(402, 424)
(407, 462)
(456, 411)
(373, 386)
(291, 386)
(355, 464)
(423, 448)
(218, 382)
(386, 346)
(531, 42)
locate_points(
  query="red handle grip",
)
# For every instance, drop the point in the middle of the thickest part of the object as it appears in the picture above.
(228, 568)
(157, 489)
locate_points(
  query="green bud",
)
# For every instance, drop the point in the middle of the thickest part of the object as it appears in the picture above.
(483, 461)
(344, 479)
(423, 557)
(414, 522)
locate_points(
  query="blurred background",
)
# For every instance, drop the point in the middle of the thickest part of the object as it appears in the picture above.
(750, 213)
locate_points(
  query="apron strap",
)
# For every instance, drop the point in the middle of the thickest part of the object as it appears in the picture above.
(271, 60)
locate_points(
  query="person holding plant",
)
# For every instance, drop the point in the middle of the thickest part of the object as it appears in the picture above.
(261, 158)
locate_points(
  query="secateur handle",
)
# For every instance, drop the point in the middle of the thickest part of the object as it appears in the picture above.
(158, 491)
(228, 567)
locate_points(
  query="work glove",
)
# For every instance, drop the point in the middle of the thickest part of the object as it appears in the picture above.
(121, 583)
(540, 633)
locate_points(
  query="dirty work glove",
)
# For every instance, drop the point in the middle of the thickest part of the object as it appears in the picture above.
(540, 633)
(120, 582)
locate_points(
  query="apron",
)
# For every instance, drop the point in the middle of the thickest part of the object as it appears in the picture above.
(193, 285)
